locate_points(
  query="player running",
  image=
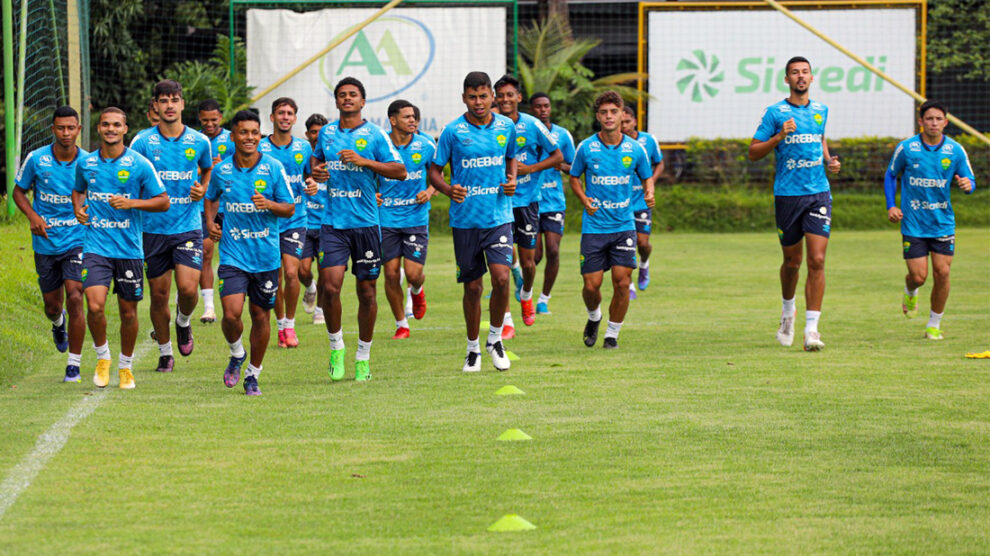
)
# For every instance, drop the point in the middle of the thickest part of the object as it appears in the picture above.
(221, 146)
(56, 237)
(553, 203)
(173, 241)
(609, 161)
(294, 154)
(405, 216)
(356, 152)
(315, 207)
(794, 129)
(642, 213)
(112, 184)
(481, 149)
(926, 165)
(533, 141)
(254, 191)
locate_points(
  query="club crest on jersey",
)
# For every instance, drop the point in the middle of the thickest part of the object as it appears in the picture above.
(222, 149)
(946, 162)
(501, 140)
(819, 119)
(260, 186)
(417, 158)
(626, 161)
(361, 144)
(123, 176)
(520, 141)
(298, 157)
(190, 154)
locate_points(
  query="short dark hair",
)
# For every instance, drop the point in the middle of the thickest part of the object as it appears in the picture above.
(316, 119)
(397, 105)
(166, 88)
(629, 110)
(151, 105)
(535, 96)
(209, 105)
(928, 105)
(244, 116)
(349, 81)
(113, 110)
(416, 112)
(65, 112)
(508, 80)
(477, 80)
(608, 97)
(284, 101)
(795, 60)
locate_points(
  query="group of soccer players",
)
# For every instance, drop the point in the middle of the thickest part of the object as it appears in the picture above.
(354, 194)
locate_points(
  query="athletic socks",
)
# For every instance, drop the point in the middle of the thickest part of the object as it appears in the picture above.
(507, 320)
(336, 339)
(935, 319)
(543, 298)
(595, 314)
(252, 371)
(318, 311)
(811, 321)
(911, 293)
(526, 295)
(311, 288)
(787, 307)
(515, 264)
(181, 319)
(59, 320)
(281, 324)
(364, 351)
(612, 330)
(236, 348)
(644, 265)
(416, 290)
(290, 323)
(207, 296)
(404, 323)
(125, 361)
(74, 359)
(165, 349)
(473, 346)
(102, 352)
(494, 334)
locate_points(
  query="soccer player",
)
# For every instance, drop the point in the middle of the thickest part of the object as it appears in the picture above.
(221, 146)
(57, 238)
(794, 129)
(642, 213)
(315, 207)
(356, 152)
(173, 241)
(112, 184)
(254, 191)
(153, 120)
(553, 203)
(481, 149)
(405, 216)
(294, 154)
(609, 161)
(926, 165)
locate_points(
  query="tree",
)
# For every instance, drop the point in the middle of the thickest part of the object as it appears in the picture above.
(959, 39)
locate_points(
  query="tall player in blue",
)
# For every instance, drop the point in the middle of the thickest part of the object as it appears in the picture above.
(356, 152)
(926, 165)
(173, 241)
(794, 129)
(221, 146)
(56, 236)
(609, 161)
(642, 213)
(480, 147)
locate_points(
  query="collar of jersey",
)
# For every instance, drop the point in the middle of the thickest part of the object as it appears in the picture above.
(930, 148)
(176, 138)
(486, 126)
(51, 149)
(352, 129)
(251, 169)
(288, 145)
(788, 101)
(598, 138)
(99, 155)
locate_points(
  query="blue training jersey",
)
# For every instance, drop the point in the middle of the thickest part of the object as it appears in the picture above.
(52, 183)
(533, 144)
(176, 161)
(316, 206)
(477, 157)
(609, 171)
(249, 239)
(926, 177)
(800, 156)
(399, 207)
(655, 155)
(221, 145)
(295, 160)
(351, 189)
(552, 197)
(112, 233)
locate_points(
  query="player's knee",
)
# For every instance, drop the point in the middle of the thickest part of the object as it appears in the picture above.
(230, 316)
(159, 296)
(366, 294)
(95, 306)
(500, 280)
(392, 275)
(474, 289)
(330, 289)
(816, 262)
(52, 309)
(305, 275)
(553, 257)
(941, 273)
(128, 313)
(74, 300)
(621, 282)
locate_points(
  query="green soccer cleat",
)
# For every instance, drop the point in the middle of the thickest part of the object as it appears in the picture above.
(933, 333)
(337, 369)
(910, 306)
(362, 371)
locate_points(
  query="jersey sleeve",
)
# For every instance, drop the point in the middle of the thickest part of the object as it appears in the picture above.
(644, 168)
(205, 160)
(544, 139)
(510, 147)
(151, 186)
(442, 154)
(577, 166)
(897, 161)
(767, 127)
(80, 184)
(384, 150)
(318, 151)
(281, 192)
(654, 152)
(25, 176)
(215, 188)
(307, 159)
(964, 168)
(566, 144)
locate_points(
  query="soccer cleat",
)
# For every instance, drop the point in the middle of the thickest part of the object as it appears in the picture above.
(209, 317)
(528, 312)
(499, 359)
(166, 363)
(508, 332)
(291, 340)
(517, 279)
(401, 333)
(281, 339)
(910, 306)
(71, 374)
(591, 332)
(318, 318)
(184, 337)
(60, 336)
(362, 371)
(337, 368)
(472, 362)
(933, 333)
(419, 304)
(126, 379)
(632, 292)
(644, 278)
(309, 301)
(785, 334)
(102, 375)
(542, 308)
(813, 341)
(251, 386)
(232, 373)
(610, 343)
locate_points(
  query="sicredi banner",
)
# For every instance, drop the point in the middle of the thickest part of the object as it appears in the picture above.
(417, 54)
(711, 74)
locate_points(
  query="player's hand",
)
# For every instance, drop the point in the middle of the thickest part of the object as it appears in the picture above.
(81, 215)
(834, 165)
(197, 192)
(312, 188)
(260, 202)
(216, 160)
(425, 195)
(120, 202)
(215, 232)
(351, 157)
(788, 128)
(509, 187)
(320, 173)
(964, 183)
(650, 199)
(458, 193)
(38, 226)
(379, 199)
(894, 214)
(590, 205)
(523, 169)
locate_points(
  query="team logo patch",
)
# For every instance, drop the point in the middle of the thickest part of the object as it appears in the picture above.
(819, 119)
(520, 142)
(298, 157)
(222, 149)
(780, 233)
(907, 246)
(458, 269)
(221, 285)
(626, 161)
(190, 154)
(501, 140)
(581, 260)
(946, 162)
(823, 210)
(361, 144)
(417, 158)
(369, 254)
(189, 244)
(85, 273)
(260, 186)
(319, 257)
(123, 176)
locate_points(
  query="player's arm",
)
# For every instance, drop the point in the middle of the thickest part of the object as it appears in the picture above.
(79, 197)
(211, 205)
(578, 190)
(456, 192)
(199, 188)
(548, 162)
(158, 203)
(964, 176)
(768, 136)
(392, 170)
(831, 162)
(26, 177)
(511, 171)
(318, 168)
(282, 204)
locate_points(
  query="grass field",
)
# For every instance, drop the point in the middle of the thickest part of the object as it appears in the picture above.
(700, 434)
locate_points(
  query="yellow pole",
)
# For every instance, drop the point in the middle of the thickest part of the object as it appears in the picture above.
(75, 58)
(321, 53)
(640, 39)
(961, 124)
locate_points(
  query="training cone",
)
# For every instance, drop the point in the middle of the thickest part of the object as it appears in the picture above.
(514, 434)
(512, 356)
(509, 390)
(511, 522)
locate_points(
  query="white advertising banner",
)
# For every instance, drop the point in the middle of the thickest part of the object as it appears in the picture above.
(417, 54)
(713, 72)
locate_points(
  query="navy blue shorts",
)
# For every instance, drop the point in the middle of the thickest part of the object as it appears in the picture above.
(362, 246)
(527, 225)
(260, 287)
(128, 281)
(408, 243)
(603, 251)
(291, 241)
(802, 214)
(644, 221)
(311, 244)
(918, 247)
(163, 252)
(474, 246)
(54, 270)
(218, 220)
(552, 222)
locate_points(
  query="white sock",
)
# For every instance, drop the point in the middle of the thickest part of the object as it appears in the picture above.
(415, 290)
(59, 320)
(632, 286)
(934, 319)
(515, 264)
(404, 323)
(473, 346)
(402, 275)
(507, 320)
(207, 296)
(290, 323)
(318, 311)
(644, 265)
(252, 371)
(181, 319)
(612, 330)
(311, 288)
(543, 298)
(787, 307)
(336, 339)
(165, 349)
(364, 351)
(494, 334)
(125, 361)
(526, 295)
(811, 321)
(595, 314)
(912, 293)
(280, 323)
(102, 352)
(236, 348)
(74, 359)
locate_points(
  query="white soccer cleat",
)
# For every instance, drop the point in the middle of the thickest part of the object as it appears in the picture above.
(813, 341)
(499, 358)
(309, 301)
(472, 362)
(785, 334)
(318, 318)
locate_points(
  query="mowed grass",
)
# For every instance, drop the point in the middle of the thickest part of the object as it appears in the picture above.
(701, 434)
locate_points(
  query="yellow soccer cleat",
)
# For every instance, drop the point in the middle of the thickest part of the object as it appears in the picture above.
(126, 379)
(102, 375)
